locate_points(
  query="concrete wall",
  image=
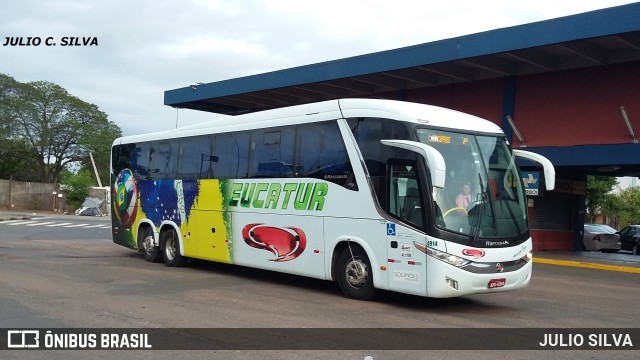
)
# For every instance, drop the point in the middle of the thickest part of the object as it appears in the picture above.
(18, 195)
(21, 196)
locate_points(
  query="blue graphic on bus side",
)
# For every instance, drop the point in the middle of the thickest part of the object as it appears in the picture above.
(391, 229)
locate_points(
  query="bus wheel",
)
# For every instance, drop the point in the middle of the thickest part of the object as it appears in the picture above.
(354, 274)
(151, 252)
(171, 249)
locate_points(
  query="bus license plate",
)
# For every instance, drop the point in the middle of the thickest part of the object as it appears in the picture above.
(496, 283)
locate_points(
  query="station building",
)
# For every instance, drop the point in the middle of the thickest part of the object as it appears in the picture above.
(566, 88)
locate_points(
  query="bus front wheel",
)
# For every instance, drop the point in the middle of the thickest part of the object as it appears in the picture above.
(171, 249)
(355, 276)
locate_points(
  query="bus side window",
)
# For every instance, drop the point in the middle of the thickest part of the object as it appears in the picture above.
(195, 158)
(405, 201)
(368, 132)
(152, 161)
(243, 141)
(272, 152)
(122, 155)
(162, 163)
(321, 154)
(232, 155)
(140, 163)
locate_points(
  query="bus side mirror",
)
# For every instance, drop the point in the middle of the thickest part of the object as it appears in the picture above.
(435, 161)
(547, 166)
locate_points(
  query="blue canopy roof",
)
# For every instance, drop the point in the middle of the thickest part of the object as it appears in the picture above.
(599, 37)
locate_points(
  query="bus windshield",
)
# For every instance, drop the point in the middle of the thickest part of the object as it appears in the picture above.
(483, 196)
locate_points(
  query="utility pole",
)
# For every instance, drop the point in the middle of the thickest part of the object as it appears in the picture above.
(95, 169)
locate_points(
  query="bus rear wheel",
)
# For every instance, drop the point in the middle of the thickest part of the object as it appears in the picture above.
(171, 249)
(355, 276)
(151, 252)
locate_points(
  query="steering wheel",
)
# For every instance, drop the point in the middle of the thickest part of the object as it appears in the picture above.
(454, 209)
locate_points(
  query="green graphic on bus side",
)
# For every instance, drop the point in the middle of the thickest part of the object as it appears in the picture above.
(304, 196)
(227, 218)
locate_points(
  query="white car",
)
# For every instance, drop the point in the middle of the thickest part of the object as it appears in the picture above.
(597, 238)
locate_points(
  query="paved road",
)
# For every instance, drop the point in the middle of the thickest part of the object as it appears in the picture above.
(71, 227)
(54, 226)
(91, 282)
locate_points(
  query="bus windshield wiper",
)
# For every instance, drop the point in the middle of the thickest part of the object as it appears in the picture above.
(486, 197)
(505, 202)
(483, 197)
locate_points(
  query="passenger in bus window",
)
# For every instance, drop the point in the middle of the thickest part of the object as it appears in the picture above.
(464, 198)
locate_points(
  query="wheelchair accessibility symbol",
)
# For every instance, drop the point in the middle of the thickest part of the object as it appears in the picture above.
(391, 229)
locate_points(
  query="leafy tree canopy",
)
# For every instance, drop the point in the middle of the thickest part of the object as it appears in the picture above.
(45, 128)
(76, 186)
(628, 211)
(597, 189)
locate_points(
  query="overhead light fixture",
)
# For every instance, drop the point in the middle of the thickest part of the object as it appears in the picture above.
(609, 168)
(515, 130)
(626, 120)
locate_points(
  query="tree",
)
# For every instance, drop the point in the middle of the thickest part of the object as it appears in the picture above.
(14, 152)
(597, 189)
(629, 212)
(612, 207)
(16, 160)
(76, 186)
(100, 148)
(54, 127)
(8, 88)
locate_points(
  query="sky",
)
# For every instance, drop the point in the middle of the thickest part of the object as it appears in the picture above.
(147, 47)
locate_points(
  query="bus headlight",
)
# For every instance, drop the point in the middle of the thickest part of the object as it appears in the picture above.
(527, 257)
(448, 258)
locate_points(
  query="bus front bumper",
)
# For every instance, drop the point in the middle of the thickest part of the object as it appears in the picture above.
(452, 281)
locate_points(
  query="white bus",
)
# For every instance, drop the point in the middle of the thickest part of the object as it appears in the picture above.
(358, 191)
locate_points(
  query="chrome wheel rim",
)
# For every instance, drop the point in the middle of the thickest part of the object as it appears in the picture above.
(357, 273)
(148, 245)
(171, 249)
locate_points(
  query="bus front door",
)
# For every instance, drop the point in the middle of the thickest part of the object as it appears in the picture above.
(406, 264)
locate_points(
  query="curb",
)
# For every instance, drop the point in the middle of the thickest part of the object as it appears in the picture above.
(16, 218)
(580, 264)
